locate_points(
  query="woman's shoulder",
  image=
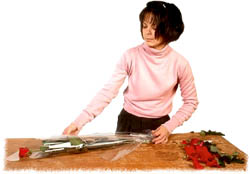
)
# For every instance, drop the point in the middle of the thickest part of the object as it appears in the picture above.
(131, 53)
(133, 49)
(178, 57)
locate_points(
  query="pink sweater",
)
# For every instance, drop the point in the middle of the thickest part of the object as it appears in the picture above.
(153, 78)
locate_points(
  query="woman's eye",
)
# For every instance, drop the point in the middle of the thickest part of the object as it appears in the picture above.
(154, 27)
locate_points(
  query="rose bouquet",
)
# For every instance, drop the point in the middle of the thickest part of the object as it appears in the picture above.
(79, 144)
(205, 153)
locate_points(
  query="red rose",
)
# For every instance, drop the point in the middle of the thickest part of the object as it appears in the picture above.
(190, 150)
(213, 163)
(204, 154)
(195, 141)
(196, 163)
(198, 152)
(184, 142)
(24, 152)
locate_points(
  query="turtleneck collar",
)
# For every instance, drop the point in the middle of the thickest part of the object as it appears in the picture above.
(156, 52)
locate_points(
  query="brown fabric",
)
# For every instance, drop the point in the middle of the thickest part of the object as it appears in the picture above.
(128, 122)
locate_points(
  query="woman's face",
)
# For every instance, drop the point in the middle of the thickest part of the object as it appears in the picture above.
(148, 32)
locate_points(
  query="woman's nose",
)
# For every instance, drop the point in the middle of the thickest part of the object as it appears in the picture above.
(149, 30)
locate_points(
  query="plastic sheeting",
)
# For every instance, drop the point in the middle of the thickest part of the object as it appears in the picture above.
(114, 146)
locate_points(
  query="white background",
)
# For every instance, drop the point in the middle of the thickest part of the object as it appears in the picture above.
(56, 55)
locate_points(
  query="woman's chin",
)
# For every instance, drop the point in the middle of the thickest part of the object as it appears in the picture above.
(150, 44)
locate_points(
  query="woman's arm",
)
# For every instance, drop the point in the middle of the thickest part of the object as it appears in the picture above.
(189, 97)
(105, 95)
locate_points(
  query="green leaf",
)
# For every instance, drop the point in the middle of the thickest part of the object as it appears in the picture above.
(231, 158)
(203, 133)
(235, 154)
(209, 132)
(237, 160)
(44, 148)
(75, 141)
(214, 149)
(221, 163)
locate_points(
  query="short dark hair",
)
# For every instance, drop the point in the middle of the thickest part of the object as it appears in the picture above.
(167, 19)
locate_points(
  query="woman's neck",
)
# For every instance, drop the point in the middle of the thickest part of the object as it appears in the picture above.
(160, 52)
(159, 46)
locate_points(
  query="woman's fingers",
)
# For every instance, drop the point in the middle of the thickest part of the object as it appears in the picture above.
(166, 140)
(159, 138)
(66, 131)
(71, 130)
(75, 132)
(156, 132)
(160, 134)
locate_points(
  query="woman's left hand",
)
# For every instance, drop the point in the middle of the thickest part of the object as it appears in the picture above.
(161, 135)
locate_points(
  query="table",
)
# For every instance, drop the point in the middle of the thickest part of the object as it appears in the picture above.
(145, 157)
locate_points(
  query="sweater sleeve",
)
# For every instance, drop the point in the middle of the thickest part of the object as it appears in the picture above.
(189, 97)
(105, 95)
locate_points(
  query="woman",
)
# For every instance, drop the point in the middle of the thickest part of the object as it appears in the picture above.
(154, 71)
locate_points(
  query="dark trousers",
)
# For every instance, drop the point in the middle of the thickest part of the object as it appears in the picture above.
(130, 123)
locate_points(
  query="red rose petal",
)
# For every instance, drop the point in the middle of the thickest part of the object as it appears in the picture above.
(23, 152)
(202, 143)
(212, 163)
(190, 150)
(196, 164)
(204, 154)
(184, 142)
(194, 141)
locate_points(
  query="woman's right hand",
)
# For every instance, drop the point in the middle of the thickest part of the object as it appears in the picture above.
(71, 130)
